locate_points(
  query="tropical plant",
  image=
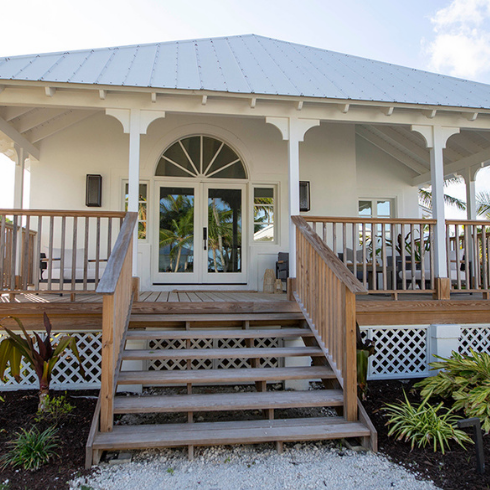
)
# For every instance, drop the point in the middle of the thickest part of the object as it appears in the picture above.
(464, 378)
(220, 235)
(483, 203)
(364, 350)
(424, 425)
(55, 408)
(31, 449)
(43, 359)
(425, 195)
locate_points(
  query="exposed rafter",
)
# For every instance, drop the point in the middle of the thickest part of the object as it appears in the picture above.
(456, 167)
(16, 137)
(35, 118)
(395, 152)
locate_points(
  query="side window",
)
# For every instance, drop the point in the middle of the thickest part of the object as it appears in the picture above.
(142, 208)
(264, 214)
(376, 208)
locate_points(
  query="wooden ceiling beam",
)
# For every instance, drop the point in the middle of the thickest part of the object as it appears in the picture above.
(18, 138)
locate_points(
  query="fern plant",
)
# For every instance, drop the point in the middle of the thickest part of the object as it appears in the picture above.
(424, 424)
(466, 379)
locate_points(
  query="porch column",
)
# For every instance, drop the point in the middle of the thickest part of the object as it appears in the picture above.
(469, 179)
(135, 122)
(293, 131)
(19, 204)
(435, 139)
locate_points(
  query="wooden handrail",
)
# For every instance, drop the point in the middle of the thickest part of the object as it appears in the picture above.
(60, 212)
(467, 222)
(108, 282)
(329, 257)
(118, 290)
(373, 221)
(326, 293)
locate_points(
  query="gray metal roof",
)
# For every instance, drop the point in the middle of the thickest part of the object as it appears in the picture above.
(248, 64)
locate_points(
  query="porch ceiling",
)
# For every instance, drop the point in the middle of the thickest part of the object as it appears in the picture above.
(468, 149)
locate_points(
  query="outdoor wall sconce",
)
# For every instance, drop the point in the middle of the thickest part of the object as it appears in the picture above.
(304, 195)
(93, 196)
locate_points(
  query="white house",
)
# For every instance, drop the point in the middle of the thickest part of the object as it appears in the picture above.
(233, 123)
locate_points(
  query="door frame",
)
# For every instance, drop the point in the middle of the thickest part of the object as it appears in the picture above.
(199, 276)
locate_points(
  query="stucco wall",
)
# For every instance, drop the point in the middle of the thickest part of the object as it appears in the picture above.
(338, 171)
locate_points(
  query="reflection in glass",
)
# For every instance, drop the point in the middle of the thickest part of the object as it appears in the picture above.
(263, 214)
(224, 230)
(142, 208)
(176, 252)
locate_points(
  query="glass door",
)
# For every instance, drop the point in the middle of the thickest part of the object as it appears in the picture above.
(176, 234)
(223, 234)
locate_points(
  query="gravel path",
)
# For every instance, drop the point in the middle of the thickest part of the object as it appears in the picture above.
(302, 466)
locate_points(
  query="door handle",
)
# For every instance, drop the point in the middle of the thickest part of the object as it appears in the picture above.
(205, 238)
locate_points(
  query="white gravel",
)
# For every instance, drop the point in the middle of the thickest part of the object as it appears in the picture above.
(302, 466)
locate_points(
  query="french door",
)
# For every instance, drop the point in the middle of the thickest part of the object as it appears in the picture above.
(201, 234)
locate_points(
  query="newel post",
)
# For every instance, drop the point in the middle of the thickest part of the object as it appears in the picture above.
(350, 358)
(107, 365)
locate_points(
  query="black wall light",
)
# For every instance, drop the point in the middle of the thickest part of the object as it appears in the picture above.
(304, 195)
(93, 196)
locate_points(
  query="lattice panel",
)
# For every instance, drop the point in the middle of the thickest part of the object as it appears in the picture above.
(176, 364)
(400, 352)
(66, 375)
(478, 338)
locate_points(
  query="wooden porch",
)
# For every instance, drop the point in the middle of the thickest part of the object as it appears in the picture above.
(202, 331)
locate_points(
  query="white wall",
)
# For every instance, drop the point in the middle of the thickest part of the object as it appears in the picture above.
(338, 171)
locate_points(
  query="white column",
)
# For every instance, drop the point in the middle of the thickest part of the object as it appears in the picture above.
(436, 138)
(134, 176)
(293, 130)
(19, 203)
(469, 178)
(444, 339)
(135, 122)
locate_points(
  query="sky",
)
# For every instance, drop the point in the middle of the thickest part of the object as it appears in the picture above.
(451, 37)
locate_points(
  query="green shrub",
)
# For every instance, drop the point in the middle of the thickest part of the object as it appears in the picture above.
(423, 425)
(465, 379)
(31, 449)
(54, 409)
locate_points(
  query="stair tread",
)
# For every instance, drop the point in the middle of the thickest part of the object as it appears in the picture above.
(164, 377)
(214, 317)
(219, 334)
(228, 401)
(243, 353)
(241, 432)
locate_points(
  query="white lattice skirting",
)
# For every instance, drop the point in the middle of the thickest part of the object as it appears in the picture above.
(401, 352)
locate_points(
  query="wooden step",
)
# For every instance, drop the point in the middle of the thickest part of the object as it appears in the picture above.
(239, 432)
(228, 401)
(216, 319)
(219, 334)
(209, 376)
(240, 353)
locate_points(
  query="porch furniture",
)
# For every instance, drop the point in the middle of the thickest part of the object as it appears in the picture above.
(282, 266)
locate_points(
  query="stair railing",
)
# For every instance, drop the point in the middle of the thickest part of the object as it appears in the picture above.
(118, 289)
(325, 292)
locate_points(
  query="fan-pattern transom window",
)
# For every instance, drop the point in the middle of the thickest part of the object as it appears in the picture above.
(200, 156)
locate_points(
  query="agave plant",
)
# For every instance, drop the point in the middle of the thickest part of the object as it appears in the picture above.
(42, 359)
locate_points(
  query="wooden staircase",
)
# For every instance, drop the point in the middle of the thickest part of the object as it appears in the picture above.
(251, 413)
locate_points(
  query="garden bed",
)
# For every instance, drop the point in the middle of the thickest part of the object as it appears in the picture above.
(19, 411)
(455, 470)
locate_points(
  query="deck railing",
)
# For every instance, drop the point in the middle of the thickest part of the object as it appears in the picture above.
(118, 288)
(51, 251)
(468, 255)
(325, 291)
(386, 255)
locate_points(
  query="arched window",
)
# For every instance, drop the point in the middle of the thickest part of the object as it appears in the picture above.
(201, 156)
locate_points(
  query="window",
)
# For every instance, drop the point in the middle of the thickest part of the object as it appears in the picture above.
(142, 208)
(264, 214)
(376, 208)
(200, 156)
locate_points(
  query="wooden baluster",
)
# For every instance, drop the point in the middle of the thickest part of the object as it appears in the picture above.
(74, 254)
(85, 253)
(374, 242)
(402, 251)
(334, 237)
(325, 233)
(62, 248)
(476, 259)
(448, 249)
(25, 254)
(50, 251)
(432, 245)
(364, 256)
(97, 252)
(422, 257)
(344, 241)
(467, 251)
(39, 271)
(384, 257)
(412, 256)
(3, 239)
(109, 237)
(484, 255)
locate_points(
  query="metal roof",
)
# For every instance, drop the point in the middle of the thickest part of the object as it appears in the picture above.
(248, 64)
